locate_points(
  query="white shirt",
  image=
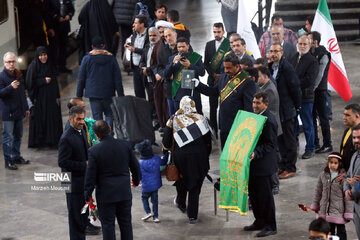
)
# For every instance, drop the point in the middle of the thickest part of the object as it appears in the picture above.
(218, 43)
(139, 43)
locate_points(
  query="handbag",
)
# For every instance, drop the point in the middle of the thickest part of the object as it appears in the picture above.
(171, 171)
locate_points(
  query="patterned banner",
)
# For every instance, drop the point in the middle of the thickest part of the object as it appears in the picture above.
(235, 161)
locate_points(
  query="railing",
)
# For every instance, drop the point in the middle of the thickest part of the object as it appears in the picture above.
(263, 21)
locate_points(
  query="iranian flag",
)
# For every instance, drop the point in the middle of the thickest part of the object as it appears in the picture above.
(337, 74)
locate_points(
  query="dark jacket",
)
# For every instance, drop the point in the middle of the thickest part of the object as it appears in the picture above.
(139, 51)
(13, 104)
(306, 69)
(153, 60)
(319, 53)
(348, 150)
(100, 76)
(265, 152)
(171, 69)
(240, 99)
(150, 173)
(72, 156)
(108, 170)
(57, 10)
(124, 11)
(210, 50)
(163, 59)
(288, 86)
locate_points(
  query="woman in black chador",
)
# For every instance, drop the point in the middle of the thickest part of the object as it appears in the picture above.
(45, 121)
(97, 19)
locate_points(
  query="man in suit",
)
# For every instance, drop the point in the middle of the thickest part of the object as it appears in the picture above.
(351, 119)
(108, 171)
(288, 86)
(306, 67)
(239, 48)
(214, 54)
(354, 170)
(266, 85)
(277, 36)
(263, 164)
(236, 91)
(73, 158)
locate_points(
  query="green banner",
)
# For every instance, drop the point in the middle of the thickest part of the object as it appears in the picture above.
(235, 161)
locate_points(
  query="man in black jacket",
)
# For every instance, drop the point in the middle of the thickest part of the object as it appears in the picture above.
(180, 61)
(14, 108)
(108, 170)
(262, 166)
(73, 158)
(139, 40)
(351, 119)
(306, 67)
(62, 13)
(212, 63)
(236, 90)
(321, 91)
(288, 86)
(163, 59)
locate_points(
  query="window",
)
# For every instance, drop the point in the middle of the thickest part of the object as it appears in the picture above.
(4, 14)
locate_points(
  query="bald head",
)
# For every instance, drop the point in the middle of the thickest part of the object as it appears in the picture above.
(101, 129)
(76, 102)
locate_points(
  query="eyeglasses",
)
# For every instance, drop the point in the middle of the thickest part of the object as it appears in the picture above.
(10, 62)
(274, 51)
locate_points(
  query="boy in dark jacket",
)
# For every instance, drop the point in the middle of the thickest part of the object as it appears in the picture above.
(150, 178)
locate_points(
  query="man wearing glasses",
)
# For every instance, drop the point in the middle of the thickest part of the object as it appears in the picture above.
(288, 86)
(14, 108)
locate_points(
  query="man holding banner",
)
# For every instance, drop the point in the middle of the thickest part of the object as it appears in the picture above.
(236, 91)
(184, 59)
(214, 54)
(263, 164)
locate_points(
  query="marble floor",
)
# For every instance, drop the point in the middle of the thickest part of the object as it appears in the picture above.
(34, 215)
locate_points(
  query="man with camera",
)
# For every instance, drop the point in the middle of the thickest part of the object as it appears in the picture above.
(184, 59)
(14, 108)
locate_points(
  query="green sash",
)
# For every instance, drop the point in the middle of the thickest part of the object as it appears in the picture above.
(176, 83)
(219, 56)
(232, 84)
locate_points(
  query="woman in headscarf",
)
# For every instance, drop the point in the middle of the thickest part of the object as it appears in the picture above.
(97, 19)
(45, 121)
(188, 136)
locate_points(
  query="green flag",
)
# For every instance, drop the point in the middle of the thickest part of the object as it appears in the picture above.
(235, 160)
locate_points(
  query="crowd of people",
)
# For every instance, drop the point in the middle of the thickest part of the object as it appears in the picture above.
(287, 83)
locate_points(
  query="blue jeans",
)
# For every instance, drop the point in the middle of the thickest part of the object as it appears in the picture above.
(171, 105)
(11, 139)
(154, 200)
(100, 106)
(308, 126)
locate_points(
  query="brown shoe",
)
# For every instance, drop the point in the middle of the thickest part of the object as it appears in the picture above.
(280, 171)
(286, 175)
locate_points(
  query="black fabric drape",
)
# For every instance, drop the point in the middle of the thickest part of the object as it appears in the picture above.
(97, 19)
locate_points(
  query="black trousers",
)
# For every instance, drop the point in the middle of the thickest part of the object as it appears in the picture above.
(262, 201)
(77, 221)
(139, 86)
(287, 147)
(340, 230)
(193, 199)
(223, 137)
(213, 102)
(320, 111)
(58, 45)
(122, 211)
